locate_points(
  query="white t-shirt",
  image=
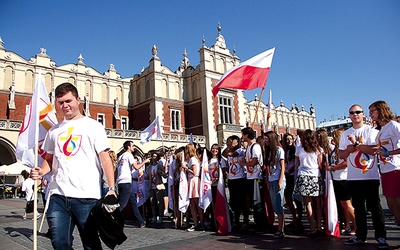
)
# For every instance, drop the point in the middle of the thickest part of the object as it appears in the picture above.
(389, 138)
(75, 145)
(274, 172)
(125, 168)
(360, 166)
(340, 174)
(27, 187)
(254, 151)
(213, 168)
(308, 162)
(193, 161)
(235, 171)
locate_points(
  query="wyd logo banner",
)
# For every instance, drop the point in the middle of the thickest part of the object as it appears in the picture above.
(39, 118)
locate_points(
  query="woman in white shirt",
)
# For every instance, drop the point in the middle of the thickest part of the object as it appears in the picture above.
(309, 183)
(388, 151)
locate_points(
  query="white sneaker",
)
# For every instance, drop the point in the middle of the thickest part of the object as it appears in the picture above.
(38, 216)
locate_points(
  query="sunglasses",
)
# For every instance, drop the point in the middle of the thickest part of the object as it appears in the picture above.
(356, 112)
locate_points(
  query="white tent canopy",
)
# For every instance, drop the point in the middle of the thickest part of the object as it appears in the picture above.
(13, 169)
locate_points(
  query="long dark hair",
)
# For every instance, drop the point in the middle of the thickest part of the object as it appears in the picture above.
(270, 149)
(309, 141)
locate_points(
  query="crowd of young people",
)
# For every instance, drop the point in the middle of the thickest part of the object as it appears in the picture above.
(262, 174)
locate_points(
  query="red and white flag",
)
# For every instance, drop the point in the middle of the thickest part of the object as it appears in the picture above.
(152, 131)
(268, 121)
(250, 74)
(221, 207)
(39, 118)
(331, 213)
(205, 197)
(183, 203)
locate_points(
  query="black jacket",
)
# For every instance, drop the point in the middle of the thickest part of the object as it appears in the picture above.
(110, 226)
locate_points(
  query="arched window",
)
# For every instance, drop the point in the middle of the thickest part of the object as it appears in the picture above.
(212, 64)
(29, 82)
(119, 94)
(48, 81)
(147, 90)
(8, 77)
(104, 93)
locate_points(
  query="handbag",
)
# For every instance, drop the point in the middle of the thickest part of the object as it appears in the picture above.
(29, 207)
(160, 186)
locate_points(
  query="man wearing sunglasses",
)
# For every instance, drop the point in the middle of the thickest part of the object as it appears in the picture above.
(363, 177)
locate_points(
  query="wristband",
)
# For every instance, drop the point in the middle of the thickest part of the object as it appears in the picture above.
(386, 153)
(111, 189)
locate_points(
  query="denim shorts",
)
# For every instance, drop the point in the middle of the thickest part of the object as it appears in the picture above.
(277, 196)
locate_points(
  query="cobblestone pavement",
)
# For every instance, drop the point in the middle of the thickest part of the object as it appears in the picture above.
(16, 233)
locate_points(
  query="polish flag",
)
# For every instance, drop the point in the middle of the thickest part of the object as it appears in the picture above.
(247, 75)
(205, 197)
(331, 213)
(221, 207)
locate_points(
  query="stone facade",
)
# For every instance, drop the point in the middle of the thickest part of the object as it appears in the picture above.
(125, 106)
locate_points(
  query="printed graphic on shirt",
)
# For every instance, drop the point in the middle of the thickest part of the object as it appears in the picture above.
(233, 166)
(386, 145)
(360, 160)
(68, 143)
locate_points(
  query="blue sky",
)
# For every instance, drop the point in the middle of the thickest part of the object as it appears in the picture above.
(328, 53)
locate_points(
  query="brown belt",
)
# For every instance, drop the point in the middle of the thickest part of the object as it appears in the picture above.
(135, 179)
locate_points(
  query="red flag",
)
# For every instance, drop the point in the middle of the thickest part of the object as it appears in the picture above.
(331, 214)
(250, 74)
(221, 207)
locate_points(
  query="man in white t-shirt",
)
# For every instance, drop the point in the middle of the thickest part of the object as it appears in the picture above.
(253, 162)
(125, 166)
(76, 151)
(363, 177)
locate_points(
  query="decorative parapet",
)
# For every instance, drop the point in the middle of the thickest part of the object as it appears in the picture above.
(10, 125)
(134, 134)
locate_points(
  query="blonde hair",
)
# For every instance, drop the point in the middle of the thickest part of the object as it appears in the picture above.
(114, 158)
(190, 150)
(336, 134)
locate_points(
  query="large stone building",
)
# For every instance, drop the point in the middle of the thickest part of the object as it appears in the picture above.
(182, 99)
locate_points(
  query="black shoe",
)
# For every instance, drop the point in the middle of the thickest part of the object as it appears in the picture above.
(354, 240)
(382, 244)
(48, 234)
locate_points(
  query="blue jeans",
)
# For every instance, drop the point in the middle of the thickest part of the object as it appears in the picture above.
(133, 200)
(63, 214)
(124, 193)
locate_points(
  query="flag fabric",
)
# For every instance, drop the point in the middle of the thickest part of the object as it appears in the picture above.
(152, 131)
(39, 118)
(183, 203)
(221, 207)
(250, 74)
(142, 192)
(171, 168)
(205, 196)
(331, 213)
(268, 121)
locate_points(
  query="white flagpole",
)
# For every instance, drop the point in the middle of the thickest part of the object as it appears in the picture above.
(35, 188)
